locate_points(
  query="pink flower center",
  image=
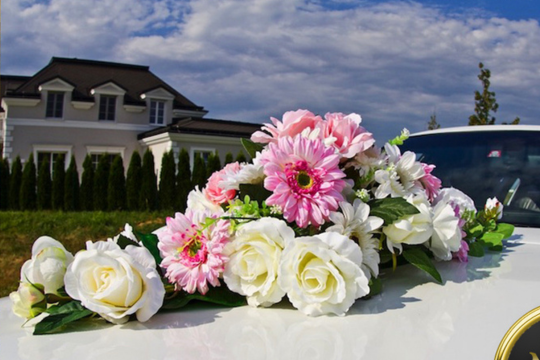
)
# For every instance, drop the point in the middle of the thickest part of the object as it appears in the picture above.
(301, 178)
(194, 250)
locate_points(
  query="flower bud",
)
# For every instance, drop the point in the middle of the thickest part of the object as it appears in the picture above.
(28, 301)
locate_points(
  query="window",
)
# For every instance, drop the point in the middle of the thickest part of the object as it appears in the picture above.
(157, 112)
(97, 157)
(55, 104)
(203, 154)
(53, 157)
(107, 107)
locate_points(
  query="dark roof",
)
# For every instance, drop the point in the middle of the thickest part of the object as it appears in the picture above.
(200, 126)
(85, 75)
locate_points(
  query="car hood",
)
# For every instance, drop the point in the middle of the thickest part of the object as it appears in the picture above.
(413, 318)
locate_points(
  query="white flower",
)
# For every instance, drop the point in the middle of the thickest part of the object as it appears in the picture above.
(453, 197)
(367, 161)
(446, 236)
(248, 174)
(399, 179)
(355, 223)
(197, 201)
(48, 264)
(115, 283)
(411, 229)
(254, 255)
(28, 301)
(494, 208)
(389, 184)
(127, 233)
(321, 274)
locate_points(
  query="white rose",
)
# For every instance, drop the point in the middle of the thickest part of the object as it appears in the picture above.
(48, 264)
(116, 283)
(28, 301)
(455, 197)
(321, 274)
(446, 232)
(254, 255)
(411, 229)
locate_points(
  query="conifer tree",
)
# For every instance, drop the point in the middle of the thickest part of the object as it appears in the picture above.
(71, 187)
(101, 183)
(149, 182)
(15, 185)
(4, 184)
(28, 185)
(134, 182)
(87, 185)
(167, 182)
(241, 157)
(44, 185)
(209, 165)
(183, 180)
(214, 164)
(228, 158)
(117, 185)
(199, 172)
(58, 180)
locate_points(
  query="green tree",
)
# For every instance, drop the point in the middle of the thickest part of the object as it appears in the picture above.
(134, 182)
(241, 157)
(117, 185)
(228, 158)
(199, 172)
(58, 181)
(87, 185)
(4, 184)
(183, 180)
(15, 184)
(101, 183)
(167, 182)
(44, 185)
(71, 187)
(433, 124)
(28, 185)
(148, 194)
(214, 164)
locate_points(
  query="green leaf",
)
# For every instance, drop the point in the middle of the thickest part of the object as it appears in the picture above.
(492, 239)
(220, 295)
(256, 192)
(123, 242)
(418, 258)
(150, 241)
(61, 315)
(391, 209)
(476, 249)
(506, 229)
(476, 231)
(251, 147)
(375, 286)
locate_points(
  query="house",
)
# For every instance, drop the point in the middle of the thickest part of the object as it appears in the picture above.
(79, 107)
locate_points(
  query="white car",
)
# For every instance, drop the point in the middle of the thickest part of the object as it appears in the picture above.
(413, 317)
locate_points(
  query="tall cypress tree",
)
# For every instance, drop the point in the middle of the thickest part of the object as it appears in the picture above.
(167, 182)
(209, 170)
(134, 182)
(213, 165)
(58, 180)
(199, 172)
(117, 185)
(149, 182)
(87, 185)
(101, 183)
(228, 158)
(71, 187)
(4, 184)
(241, 157)
(44, 185)
(183, 180)
(28, 185)
(15, 184)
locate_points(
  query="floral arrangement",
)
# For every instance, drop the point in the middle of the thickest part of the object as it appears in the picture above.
(312, 218)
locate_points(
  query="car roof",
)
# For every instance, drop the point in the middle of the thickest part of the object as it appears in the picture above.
(480, 128)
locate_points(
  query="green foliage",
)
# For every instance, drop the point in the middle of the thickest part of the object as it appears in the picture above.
(148, 194)
(199, 172)
(87, 185)
(4, 184)
(60, 315)
(398, 140)
(150, 241)
(183, 181)
(71, 187)
(101, 183)
(432, 123)
(391, 209)
(251, 148)
(241, 158)
(15, 185)
(134, 182)
(415, 256)
(216, 295)
(167, 182)
(228, 158)
(28, 185)
(116, 193)
(485, 102)
(213, 164)
(58, 183)
(44, 185)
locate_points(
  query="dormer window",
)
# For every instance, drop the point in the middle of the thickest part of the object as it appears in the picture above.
(107, 107)
(55, 104)
(157, 112)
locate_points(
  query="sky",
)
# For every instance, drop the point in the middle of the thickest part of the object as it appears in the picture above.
(395, 63)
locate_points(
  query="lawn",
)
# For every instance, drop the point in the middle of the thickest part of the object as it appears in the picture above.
(19, 230)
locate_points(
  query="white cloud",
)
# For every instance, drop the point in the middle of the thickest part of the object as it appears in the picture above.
(394, 63)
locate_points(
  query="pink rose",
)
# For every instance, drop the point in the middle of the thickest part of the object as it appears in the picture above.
(293, 123)
(349, 138)
(216, 194)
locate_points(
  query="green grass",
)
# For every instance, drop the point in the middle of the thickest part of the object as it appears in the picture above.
(19, 230)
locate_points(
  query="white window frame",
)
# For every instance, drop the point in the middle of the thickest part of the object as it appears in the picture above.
(64, 149)
(100, 150)
(114, 99)
(57, 94)
(156, 112)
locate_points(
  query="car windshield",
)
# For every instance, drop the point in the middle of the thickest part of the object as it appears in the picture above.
(483, 164)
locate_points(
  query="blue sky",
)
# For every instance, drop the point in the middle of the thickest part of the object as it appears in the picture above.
(393, 62)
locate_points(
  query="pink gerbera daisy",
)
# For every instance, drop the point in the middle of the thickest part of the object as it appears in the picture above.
(305, 179)
(193, 252)
(431, 183)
